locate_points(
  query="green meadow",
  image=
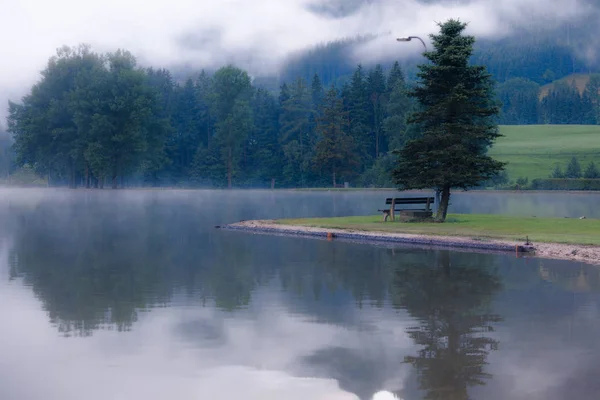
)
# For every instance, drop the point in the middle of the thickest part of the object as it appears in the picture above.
(475, 226)
(533, 151)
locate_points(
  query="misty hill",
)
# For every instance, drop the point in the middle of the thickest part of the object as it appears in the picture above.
(541, 56)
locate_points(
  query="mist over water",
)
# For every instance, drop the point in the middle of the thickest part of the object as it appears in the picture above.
(135, 294)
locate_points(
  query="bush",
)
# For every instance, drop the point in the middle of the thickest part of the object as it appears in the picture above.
(522, 182)
(380, 174)
(565, 184)
(498, 181)
(591, 172)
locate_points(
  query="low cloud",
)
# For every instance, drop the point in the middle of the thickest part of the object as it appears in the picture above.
(254, 34)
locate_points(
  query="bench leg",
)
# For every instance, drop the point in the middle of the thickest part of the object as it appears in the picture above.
(385, 216)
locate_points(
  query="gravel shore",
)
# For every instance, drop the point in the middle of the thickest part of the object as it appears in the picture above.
(587, 254)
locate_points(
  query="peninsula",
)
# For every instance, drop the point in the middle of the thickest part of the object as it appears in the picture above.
(560, 238)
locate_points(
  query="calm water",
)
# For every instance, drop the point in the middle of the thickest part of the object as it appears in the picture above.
(135, 295)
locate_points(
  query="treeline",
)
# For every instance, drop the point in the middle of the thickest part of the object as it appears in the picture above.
(99, 119)
(572, 177)
(526, 102)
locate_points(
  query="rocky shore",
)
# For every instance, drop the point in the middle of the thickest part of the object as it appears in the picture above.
(587, 254)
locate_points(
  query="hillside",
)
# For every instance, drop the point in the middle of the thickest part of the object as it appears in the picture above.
(533, 151)
(580, 81)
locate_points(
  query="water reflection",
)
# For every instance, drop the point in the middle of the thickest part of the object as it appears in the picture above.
(450, 299)
(159, 304)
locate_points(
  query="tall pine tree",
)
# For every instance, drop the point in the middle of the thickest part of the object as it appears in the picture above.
(376, 90)
(335, 149)
(457, 120)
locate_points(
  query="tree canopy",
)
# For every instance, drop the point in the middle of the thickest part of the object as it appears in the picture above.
(100, 119)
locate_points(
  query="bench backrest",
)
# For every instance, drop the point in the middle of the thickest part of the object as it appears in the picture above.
(411, 200)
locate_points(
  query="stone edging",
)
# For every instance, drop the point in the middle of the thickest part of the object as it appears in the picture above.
(373, 237)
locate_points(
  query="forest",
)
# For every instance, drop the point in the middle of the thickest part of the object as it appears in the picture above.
(101, 120)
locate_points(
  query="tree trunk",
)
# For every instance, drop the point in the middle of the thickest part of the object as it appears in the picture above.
(376, 144)
(87, 177)
(229, 167)
(114, 181)
(101, 182)
(334, 180)
(443, 206)
(72, 181)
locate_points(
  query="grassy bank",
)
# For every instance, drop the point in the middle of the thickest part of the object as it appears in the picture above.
(477, 226)
(533, 151)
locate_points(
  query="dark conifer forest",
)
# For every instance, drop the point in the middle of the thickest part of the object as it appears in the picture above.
(103, 120)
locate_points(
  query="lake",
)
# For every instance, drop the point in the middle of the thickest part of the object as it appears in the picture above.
(136, 295)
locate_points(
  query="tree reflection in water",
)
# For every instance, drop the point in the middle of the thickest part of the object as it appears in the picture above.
(450, 299)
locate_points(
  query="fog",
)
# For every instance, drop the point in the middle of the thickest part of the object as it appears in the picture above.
(254, 34)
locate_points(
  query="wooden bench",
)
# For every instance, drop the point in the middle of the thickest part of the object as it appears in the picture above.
(403, 201)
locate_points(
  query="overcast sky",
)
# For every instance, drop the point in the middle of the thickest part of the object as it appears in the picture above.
(255, 34)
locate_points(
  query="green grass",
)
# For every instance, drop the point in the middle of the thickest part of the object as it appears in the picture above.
(533, 151)
(476, 226)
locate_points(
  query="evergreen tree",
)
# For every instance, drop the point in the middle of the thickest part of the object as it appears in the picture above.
(284, 94)
(263, 161)
(186, 127)
(335, 149)
(564, 105)
(457, 118)
(573, 169)
(204, 95)
(316, 92)
(592, 93)
(557, 173)
(231, 107)
(376, 89)
(520, 101)
(398, 107)
(396, 75)
(357, 101)
(157, 162)
(591, 172)
(6, 154)
(295, 131)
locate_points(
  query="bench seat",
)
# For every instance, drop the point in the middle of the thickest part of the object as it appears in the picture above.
(403, 202)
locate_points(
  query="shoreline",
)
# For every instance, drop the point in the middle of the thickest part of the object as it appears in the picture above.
(314, 190)
(572, 252)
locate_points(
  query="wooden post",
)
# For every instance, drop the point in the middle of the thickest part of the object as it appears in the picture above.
(392, 209)
(427, 204)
